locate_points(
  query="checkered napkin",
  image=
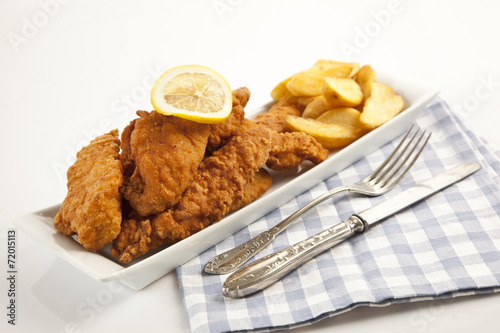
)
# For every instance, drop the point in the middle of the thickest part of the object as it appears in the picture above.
(445, 246)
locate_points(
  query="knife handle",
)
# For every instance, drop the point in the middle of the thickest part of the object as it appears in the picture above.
(264, 272)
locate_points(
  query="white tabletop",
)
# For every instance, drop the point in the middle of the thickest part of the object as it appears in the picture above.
(73, 69)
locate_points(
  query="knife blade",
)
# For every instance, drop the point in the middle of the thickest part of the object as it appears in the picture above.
(266, 271)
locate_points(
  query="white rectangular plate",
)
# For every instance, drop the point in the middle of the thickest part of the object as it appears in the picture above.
(286, 185)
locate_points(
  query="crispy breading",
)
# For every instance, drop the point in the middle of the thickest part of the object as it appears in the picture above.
(241, 95)
(137, 236)
(220, 179)
(177, 176)
(166, 151)
(221, 133)
(92, 207)
(136, 232)
(290, 149)
(126, 152)
(254, 189)
(275, 117)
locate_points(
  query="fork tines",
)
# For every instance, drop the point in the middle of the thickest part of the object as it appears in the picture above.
(402, 158)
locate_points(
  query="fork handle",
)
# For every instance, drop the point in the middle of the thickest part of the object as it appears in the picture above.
(269, 269)
(231, 260)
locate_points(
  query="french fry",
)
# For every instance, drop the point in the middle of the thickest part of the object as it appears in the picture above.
(364, 78)
(335, 68)
(315, 108)
(290, 97)
(341, 92)
(308, 82)
(305, 84)
(330, 136)
(354, 70)
(340, 101)
(341, 116)
(280, 90)
(382, 105)
(303, 101)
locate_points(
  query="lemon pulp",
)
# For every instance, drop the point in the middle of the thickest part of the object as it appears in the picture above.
(193, 92)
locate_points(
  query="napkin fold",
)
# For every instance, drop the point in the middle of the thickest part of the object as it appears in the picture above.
(445, 246)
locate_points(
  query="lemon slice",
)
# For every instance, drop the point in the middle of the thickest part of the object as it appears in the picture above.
(193, 92)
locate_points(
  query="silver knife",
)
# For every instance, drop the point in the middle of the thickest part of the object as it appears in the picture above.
(264, 272)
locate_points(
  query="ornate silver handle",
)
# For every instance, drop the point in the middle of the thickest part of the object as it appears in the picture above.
(264, 272)
(231, 260)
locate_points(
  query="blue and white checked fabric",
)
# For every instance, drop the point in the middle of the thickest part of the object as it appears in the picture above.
(446, 246)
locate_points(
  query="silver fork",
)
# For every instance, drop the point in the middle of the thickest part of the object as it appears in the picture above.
(380, 181)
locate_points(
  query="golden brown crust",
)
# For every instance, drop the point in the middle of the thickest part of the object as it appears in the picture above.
(92, 207)
(219, 178)
(255, 188)
(289, 150)
(275, 118)
(133, 232)
(221, 133)
(166, 151)
(241, 96)
(177, 176)
(210, 196)
(126, 152)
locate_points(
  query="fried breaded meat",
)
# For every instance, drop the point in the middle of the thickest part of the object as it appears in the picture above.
(221, 179)
(92, 207)
(288, 149)
(175, 177)
(221, 133)
(254, 189)
(166, 152)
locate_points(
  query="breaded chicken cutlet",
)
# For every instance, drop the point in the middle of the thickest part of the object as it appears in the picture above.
(177, 177)
(92, 207)
(221, 178)
(164, 152)
(288, 149)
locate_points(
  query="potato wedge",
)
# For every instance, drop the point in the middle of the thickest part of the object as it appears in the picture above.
(290, 97)
(341, 92)
(339, 101)
(303, 101)
(305, 84)
(315, 108)
(382, 105)
(335, 68)
(331, 72)
(341, 116)
(280, 90)
(364, 78)
(354, 70)
(331, 136)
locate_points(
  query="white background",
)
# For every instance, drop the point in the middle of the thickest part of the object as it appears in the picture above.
(71, 70)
